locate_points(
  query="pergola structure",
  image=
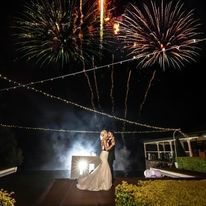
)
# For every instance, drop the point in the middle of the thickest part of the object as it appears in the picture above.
(164, 149)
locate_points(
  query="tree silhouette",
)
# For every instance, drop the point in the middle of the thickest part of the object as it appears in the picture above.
(10, 154)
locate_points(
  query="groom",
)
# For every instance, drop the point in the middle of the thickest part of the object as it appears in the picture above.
(111, 149)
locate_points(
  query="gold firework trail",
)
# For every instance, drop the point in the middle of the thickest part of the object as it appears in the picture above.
(90, 87)
(125, 103)
(101, 20)
(96, 85)
(112, 85)
(127, 92)
(147, 91)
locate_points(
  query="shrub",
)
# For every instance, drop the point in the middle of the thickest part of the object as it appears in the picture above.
(124, 194)
(6, 198)
(161, 193)
(192, 163)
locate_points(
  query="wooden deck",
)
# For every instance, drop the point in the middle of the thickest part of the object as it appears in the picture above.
(63, 192)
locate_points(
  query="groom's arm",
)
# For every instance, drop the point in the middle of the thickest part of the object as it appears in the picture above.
(112, 144)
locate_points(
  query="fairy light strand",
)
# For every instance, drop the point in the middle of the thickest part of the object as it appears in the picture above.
(89, 109)
(75, 131)
(68, 75)
(97, 67)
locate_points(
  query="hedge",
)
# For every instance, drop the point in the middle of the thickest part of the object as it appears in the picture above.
(161, 193)
(6, 198)
(192, 163)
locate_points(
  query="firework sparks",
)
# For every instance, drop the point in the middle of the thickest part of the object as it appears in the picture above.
(57, 31)
(165, 34)
(116, 28)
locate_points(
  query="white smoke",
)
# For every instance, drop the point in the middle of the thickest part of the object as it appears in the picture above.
(61, 148)
(122, 161)
(79, 148)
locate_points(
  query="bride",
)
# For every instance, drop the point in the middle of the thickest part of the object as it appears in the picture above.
(100, 178)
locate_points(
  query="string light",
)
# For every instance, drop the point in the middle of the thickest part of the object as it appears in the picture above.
(67, 75)
(97, 67)
(18, 85)
(76, 131)
(91, 110)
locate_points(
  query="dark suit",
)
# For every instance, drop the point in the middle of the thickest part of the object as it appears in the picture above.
(111, 158)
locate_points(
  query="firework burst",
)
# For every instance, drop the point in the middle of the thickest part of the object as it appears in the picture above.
(57, 31)
(160, 33)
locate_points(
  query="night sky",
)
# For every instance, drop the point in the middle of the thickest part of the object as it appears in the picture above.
(176, 98)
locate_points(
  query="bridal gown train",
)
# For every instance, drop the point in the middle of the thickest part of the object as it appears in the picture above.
(99, 179)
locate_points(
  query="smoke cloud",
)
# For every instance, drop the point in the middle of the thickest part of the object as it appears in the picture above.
(122, 160)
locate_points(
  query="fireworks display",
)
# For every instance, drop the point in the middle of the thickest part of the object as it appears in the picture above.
(162, 33)
(58, 31)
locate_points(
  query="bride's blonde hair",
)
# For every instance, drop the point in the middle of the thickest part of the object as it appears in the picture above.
(104, 131)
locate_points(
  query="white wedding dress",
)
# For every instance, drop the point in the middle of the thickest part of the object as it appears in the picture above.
(100, 178)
